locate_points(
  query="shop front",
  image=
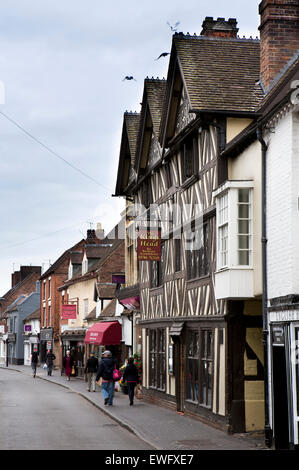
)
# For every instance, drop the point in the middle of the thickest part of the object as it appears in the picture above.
(46, 342)
(104, 335)
(73, 340)
(283, 352)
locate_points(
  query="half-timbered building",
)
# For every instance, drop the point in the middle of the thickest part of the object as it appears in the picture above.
(193, 352)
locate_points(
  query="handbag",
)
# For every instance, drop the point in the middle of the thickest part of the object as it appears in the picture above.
(73, 371)
(116, 374)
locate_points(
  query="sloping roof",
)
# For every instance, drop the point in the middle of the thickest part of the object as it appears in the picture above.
(105, 290)
(109, 310)
(60, 260)
(220, 73)
(15, 304)
(33, 316)
(155, 90)
(92, 314)
(132, 125)
(127, 154)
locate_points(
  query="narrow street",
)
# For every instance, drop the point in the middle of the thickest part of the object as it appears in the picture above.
(38, 415)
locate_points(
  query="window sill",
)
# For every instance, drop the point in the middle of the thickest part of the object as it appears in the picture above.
(201, 405)
(187, 183)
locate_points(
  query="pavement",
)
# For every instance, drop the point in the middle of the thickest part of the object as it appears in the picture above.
(161, 428)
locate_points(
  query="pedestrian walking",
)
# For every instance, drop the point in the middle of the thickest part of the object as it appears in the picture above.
(91, 369)
(105, 371)
(68, 363)
(49, 361)
(130, 376)
(34, 361)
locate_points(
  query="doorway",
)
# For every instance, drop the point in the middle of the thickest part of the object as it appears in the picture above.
(280, 398)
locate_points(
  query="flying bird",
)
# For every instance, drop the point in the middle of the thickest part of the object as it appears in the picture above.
(129, 78)
(173, 28)
(164, 54)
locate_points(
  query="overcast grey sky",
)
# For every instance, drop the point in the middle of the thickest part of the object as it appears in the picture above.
(62, 63)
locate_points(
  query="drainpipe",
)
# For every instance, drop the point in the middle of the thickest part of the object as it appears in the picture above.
(268, 430)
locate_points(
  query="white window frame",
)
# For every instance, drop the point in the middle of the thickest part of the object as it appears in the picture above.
(231, 189)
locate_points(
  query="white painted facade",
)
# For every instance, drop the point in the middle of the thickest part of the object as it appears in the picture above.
(282, 139)
(282, 204)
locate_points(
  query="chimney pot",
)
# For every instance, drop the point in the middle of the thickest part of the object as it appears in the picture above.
(219, 27)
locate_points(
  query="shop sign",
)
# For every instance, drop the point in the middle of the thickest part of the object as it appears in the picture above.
(49, 345)
(278, 336)
(132, 303)
(69, 311)
(33, 340)
(11, 337)
(284, 315)
(46, 335)
(27, 328)
(149, 244)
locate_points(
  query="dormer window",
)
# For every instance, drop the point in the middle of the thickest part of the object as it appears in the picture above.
(70, 274)
(84, 264)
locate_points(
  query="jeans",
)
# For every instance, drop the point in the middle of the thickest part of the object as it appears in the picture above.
(131, 387)
(91, 380)
(50, 367)
(108, 391)
(33, 365)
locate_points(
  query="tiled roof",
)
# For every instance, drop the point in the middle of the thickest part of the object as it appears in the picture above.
(155, 90)
(109, 310)
(33, 316)
(105, 290)
(15, 304)
(132, 125)
(220, 73)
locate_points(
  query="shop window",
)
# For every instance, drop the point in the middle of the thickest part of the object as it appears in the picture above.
(192, 367)
(199, 367)
(157, 340)
(206, 368)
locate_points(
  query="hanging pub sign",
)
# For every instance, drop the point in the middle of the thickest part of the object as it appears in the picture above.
(149, 244)
(69, 311)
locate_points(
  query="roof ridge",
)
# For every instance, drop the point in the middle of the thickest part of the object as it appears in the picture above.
(212, 38)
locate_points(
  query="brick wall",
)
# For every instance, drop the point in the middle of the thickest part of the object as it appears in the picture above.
(279, 31)
(113, 264)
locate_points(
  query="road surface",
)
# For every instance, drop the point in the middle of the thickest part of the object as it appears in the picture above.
(39, 415)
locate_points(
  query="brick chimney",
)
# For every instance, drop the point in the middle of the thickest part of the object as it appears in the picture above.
(219, 28)
(279, 34)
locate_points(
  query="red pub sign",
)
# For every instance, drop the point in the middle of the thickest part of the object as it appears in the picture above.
(149, 244)
(69, 311)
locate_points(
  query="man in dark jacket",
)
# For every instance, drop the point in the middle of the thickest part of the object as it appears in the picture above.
(49, 361)
(130, 376)
(34, 361)
(105, 370)
(91, 370)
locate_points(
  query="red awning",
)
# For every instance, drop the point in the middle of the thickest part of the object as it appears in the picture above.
(104, 333)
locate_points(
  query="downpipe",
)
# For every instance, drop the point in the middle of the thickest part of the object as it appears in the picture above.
(268, 430)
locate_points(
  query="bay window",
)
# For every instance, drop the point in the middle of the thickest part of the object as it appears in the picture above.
(234, 240)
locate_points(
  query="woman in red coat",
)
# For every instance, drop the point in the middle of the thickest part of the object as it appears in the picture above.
(68, 363)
